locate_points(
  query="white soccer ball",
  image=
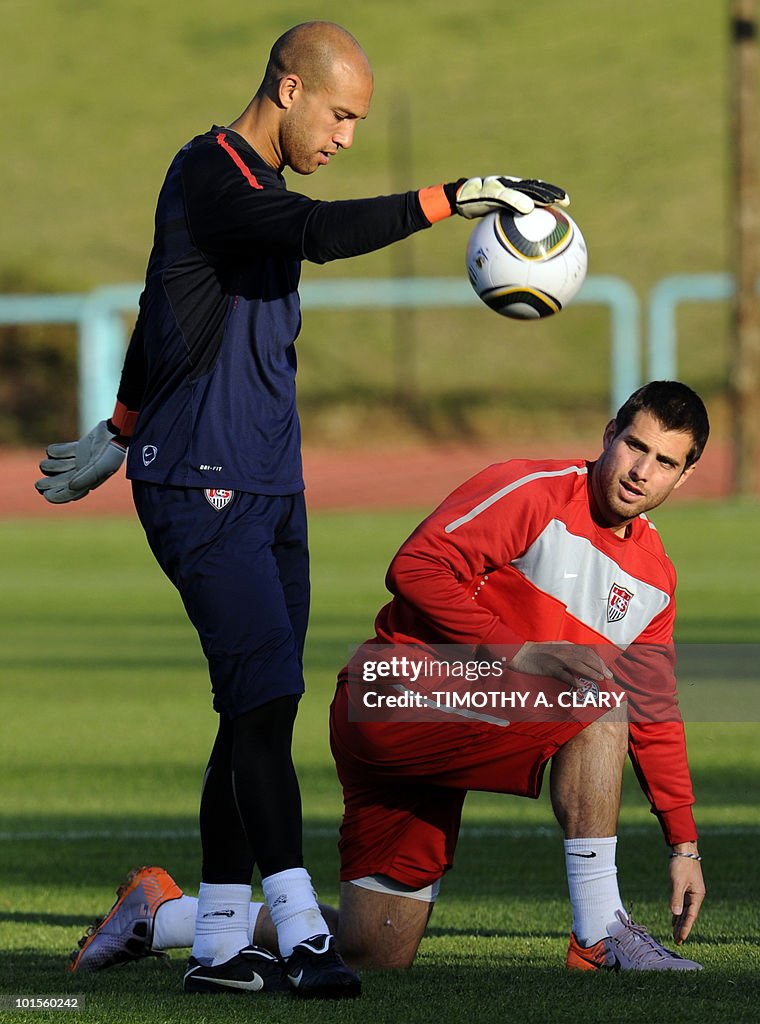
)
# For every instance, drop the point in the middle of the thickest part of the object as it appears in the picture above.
(527, 266)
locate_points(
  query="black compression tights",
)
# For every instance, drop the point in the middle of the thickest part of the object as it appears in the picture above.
(251, 804)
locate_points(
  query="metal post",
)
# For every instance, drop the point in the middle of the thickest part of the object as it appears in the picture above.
(405, 342)
(745, 377)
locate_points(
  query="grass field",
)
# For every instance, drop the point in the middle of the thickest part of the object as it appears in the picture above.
(106, 727)
(106, 722)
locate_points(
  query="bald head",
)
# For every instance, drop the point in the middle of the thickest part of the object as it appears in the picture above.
(314, 51)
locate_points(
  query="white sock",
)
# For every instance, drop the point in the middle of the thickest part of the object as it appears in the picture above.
(592, 881)
(293, 906)
(174, 923)
(221, 921)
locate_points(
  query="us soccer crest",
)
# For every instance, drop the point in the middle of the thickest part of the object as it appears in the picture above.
(617, 602)
(587, 689)
(218, 498)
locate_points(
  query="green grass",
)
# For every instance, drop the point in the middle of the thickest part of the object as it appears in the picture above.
(106, 728)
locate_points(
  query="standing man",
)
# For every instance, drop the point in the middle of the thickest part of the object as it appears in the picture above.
(207, 408)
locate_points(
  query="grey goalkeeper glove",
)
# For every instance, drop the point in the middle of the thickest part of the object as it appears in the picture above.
(477, 197)
(75, 468)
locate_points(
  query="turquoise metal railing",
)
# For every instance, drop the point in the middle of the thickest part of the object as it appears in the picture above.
(103, 334)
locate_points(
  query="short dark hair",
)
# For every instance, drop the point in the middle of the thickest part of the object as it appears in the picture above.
(675, 406)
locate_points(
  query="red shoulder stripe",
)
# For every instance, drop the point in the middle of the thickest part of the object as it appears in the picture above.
(238, 161)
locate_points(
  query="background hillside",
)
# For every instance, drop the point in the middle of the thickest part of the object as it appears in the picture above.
(623, 104)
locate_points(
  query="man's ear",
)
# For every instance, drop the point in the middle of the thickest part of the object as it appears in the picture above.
(685, 475)
(610, 432)
(287, 90)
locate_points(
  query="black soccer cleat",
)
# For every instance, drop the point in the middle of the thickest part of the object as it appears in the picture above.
(253, 969)
(315, 970)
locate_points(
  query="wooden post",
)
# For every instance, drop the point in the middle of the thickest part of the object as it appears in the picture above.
(405, 344)
(745, 362)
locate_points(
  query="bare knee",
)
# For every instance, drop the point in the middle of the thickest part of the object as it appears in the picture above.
(379, 930)
(606, 736)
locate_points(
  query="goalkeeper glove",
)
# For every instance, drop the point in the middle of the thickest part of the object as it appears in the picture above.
(476, 197)
(74, 468)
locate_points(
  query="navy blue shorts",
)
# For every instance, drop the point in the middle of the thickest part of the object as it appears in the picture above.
(242, 569)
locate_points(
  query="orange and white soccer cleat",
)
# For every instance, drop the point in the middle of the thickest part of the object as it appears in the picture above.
(627, 947)
(126, 931)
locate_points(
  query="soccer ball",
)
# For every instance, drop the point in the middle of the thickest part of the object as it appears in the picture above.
(527, 266)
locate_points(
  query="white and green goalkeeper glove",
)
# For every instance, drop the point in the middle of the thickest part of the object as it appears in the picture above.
(477, 197)
(74, 468)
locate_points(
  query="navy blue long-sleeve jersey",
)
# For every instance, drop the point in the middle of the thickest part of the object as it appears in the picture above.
(209, 377)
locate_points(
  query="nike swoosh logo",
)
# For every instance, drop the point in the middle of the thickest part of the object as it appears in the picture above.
(600, 965)
(589, 960)
(583, 855)
(295, 979)
(254, 984)
(570, 575)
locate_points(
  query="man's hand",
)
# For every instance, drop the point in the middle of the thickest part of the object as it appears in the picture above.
(560, 660)
(687, 890)
(477, 197)
(74, 468)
